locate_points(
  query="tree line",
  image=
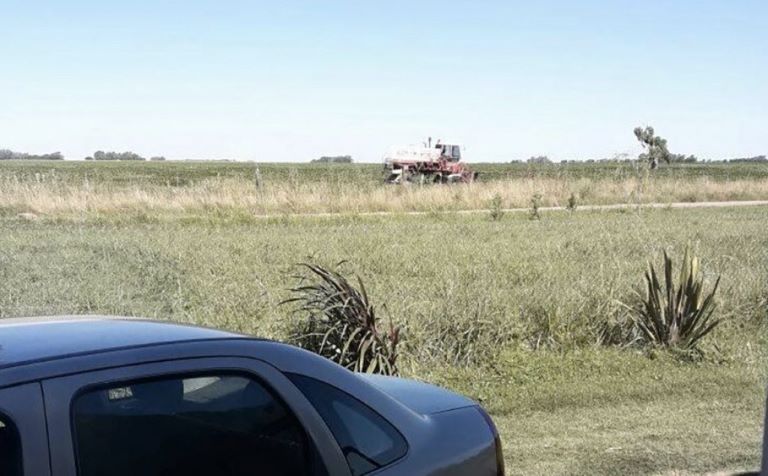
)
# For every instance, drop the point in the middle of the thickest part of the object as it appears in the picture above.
(6, 154)
(334, 159)
(654, 152)
(101, 155)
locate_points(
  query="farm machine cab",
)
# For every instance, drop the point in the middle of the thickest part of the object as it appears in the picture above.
(440, 163)
(452, 153)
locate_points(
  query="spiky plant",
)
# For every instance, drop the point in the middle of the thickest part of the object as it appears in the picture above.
(337, 321)
(676, 313)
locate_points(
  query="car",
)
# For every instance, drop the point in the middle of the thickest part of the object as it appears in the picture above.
(98, 395)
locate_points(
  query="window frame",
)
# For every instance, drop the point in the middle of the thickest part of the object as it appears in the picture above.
(22, 406)
(60, 395)
(8, 424)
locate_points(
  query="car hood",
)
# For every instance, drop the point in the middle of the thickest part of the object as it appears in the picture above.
(420, 397)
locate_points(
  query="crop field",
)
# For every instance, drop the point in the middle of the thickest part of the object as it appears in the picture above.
(527, 316)
(185, 172)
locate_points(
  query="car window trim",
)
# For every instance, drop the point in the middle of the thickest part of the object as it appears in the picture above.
(23, 406)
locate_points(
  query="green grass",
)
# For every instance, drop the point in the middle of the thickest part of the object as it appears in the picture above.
(509, 312)
(616, 412)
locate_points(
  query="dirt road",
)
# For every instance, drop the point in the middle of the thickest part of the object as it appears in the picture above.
(580, 208)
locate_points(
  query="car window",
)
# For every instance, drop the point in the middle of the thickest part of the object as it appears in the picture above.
(10, 448)
(367, 440)
(222, 425)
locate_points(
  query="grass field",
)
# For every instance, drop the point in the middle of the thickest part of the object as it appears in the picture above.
(239, 191)
(514, 313)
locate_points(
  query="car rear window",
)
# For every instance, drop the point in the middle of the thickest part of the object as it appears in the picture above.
(367, 440)
(10, 448)
(222, 425)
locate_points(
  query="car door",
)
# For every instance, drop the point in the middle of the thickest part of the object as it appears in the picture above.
(23, 442)
(222, 416)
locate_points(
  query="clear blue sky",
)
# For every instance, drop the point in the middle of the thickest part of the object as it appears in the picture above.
(293, 80)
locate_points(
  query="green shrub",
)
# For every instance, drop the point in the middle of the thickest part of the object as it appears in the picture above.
(495, 208)
(676, 313)
(338, 321)
(535, 214)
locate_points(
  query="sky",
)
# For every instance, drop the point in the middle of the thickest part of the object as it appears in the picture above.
(295, 80)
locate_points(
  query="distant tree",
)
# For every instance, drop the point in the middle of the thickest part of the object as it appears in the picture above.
(654, 146)
(157, 158)
(101, 155)
(52, 156)
(539, 159)
(757, 158)
(617, 158)
(682, 158)
(336, 159)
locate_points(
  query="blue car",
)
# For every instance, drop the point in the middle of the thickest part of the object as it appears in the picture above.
(100, 396)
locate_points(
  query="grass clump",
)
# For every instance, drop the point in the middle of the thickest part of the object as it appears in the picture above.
(339, 323)
(676, 313)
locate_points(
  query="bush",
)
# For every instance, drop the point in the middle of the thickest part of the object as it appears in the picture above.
(495, 208)
(571, 207)
(676, 313)
(338, 322)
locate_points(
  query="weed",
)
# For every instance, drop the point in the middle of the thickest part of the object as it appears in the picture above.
(495, 208)
(571, 207)
(534, 213)
(338, 321)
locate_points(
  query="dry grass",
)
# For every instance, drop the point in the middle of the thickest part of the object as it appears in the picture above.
(237, 194)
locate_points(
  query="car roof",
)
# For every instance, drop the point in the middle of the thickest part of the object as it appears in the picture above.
(34, 339)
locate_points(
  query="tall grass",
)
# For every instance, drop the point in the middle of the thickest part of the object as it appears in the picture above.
(462, 287)
(235, 195)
